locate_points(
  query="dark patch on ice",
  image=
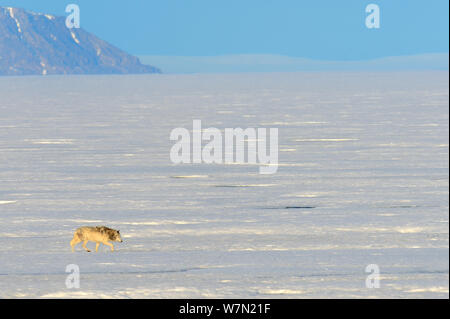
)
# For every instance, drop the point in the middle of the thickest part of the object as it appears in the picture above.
(190, 177)
(325, 275)
(405, 206)
(410, 206)
(290, 207)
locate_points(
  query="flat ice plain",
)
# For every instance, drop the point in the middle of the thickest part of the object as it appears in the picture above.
(367, 152)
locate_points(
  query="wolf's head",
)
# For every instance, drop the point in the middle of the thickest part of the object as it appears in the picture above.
(115, 235)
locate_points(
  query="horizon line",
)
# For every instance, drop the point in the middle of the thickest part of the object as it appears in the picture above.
(238, 63)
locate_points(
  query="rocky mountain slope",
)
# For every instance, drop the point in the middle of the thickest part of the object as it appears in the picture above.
(41, 44)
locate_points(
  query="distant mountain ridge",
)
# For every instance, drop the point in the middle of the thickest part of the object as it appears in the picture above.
(41, 44)
(238, 63)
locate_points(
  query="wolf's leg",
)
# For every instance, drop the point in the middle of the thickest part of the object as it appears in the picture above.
(74, 242)
(96, 247)
(84, 246)
(110, 245)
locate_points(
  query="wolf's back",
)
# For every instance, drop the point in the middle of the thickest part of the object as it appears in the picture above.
(84, 233)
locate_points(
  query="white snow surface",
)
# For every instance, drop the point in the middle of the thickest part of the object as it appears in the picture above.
(363, 179)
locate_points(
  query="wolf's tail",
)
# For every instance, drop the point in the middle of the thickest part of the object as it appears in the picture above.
(78, 234)
(77, 237)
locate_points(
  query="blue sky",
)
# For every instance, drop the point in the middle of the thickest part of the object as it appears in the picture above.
(319, 29)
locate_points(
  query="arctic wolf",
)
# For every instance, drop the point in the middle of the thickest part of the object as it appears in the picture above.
(98, 234)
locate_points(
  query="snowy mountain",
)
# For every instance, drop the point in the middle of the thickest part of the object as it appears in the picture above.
(41, 44)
